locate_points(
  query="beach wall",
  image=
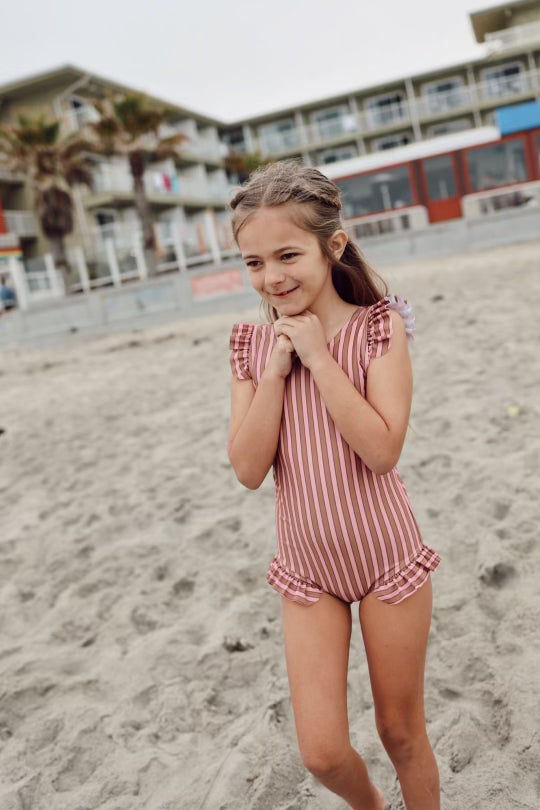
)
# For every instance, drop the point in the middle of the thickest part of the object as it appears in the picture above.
(211, 289)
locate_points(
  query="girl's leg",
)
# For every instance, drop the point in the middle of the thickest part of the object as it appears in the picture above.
(395, 637)
(317, 641)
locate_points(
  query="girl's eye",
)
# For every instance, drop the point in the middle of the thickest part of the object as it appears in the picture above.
(289, 255)
(253, 263)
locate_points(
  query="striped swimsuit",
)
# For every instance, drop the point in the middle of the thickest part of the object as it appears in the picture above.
(341, 528)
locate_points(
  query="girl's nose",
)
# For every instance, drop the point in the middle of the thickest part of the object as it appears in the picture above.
(274, 272)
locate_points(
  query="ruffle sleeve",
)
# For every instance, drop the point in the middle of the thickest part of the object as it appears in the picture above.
(380, 324)
(240, 344)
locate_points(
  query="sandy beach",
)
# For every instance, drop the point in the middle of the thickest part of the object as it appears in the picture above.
(141, 661)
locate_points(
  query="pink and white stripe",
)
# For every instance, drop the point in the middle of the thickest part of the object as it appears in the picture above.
(341, 528)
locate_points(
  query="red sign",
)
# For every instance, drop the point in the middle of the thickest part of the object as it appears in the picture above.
(223, 283)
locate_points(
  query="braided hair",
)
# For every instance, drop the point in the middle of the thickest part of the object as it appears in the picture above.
(315, 206)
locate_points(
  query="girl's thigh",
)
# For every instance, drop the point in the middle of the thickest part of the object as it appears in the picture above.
(317, 641)
(395, 638)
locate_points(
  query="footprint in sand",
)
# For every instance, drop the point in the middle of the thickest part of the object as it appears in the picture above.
(183, 588)
(497, 575)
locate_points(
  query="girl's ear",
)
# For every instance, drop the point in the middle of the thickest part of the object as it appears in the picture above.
(337, 243)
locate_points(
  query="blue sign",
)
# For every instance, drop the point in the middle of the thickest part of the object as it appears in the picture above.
(518, 117)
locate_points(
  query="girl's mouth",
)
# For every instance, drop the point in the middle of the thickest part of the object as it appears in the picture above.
(284, 294)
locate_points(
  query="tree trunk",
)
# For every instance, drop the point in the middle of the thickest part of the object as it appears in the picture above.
(61, 261)
(143, 210)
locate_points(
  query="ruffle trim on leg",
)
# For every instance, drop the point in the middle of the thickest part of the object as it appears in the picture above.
(409, 579)
(296, 588)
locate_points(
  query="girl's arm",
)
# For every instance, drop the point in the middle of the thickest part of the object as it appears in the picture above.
(373, 427)
(254, 427)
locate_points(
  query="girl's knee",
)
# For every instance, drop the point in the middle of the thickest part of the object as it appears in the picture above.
(323, 759)
(400, 738)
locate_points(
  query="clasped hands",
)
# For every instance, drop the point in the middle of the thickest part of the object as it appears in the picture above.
(306, 333)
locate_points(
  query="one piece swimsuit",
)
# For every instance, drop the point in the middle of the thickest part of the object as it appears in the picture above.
(341, 528)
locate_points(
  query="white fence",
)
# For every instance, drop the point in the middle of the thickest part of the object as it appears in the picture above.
(114, 255)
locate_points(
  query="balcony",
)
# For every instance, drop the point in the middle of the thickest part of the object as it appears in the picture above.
(196, 148)
(160, 187)
(448, 103)
(498, 90)
(286, 140)
(12, 178)
(502, 88)
(22, 223)
(517, 37)
(382, 116)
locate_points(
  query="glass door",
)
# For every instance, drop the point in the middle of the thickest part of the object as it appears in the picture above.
(439, 179)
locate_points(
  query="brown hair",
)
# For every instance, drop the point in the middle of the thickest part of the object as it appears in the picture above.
(317, 209)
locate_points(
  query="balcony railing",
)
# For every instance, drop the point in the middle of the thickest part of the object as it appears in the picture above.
(451, 101)
(23, 223)
(516, 37)
(505, 87)
(158, 184)
(378, 119)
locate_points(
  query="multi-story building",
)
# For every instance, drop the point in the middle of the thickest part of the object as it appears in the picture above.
(189, 196)
(411, 108)
(191, 191)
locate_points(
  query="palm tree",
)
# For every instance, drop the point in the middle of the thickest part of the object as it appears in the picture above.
(53, 164)
(241, 164)
(130, 125)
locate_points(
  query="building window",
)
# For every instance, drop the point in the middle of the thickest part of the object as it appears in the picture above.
(279, 135)
(499, 164)
(444, 95)
(332, 122)
(440, 179)
(503, 80)
(376, 191)
(448, 126)
(235, 139)
(338, 153)
(386, 109)
(391, 141)
(81, 113)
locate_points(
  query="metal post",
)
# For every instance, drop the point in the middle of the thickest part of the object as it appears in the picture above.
(16, 271)
(473, 95)
(179, 247)
(56, 282)
(210, 228)
(82, 269)
(413, 111)
(113, 262)
(138, 251)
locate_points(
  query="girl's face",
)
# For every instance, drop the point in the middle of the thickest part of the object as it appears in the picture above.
(283, 258)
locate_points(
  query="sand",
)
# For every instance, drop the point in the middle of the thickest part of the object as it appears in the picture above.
(141, 661)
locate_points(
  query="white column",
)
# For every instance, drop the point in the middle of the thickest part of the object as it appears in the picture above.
(210, 228)
(113, 262)
(138, 252)
(179, 247)
(80, 210)
(56, 282)
(82, 269)
(471, 86)
(300, 128)
(248, 138)
(16, 271)
(358, 118)
(534, 80)
(413, 112)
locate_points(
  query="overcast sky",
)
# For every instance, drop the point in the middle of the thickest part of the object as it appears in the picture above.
(232, 59)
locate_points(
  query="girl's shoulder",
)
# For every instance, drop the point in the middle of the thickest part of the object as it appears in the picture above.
(379, 325)
(246, 340)
(379, 320)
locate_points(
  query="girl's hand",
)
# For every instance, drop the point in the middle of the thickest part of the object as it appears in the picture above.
(280, 362)
(306, 333)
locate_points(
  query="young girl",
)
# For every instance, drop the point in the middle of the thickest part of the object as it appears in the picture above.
(322, 392)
